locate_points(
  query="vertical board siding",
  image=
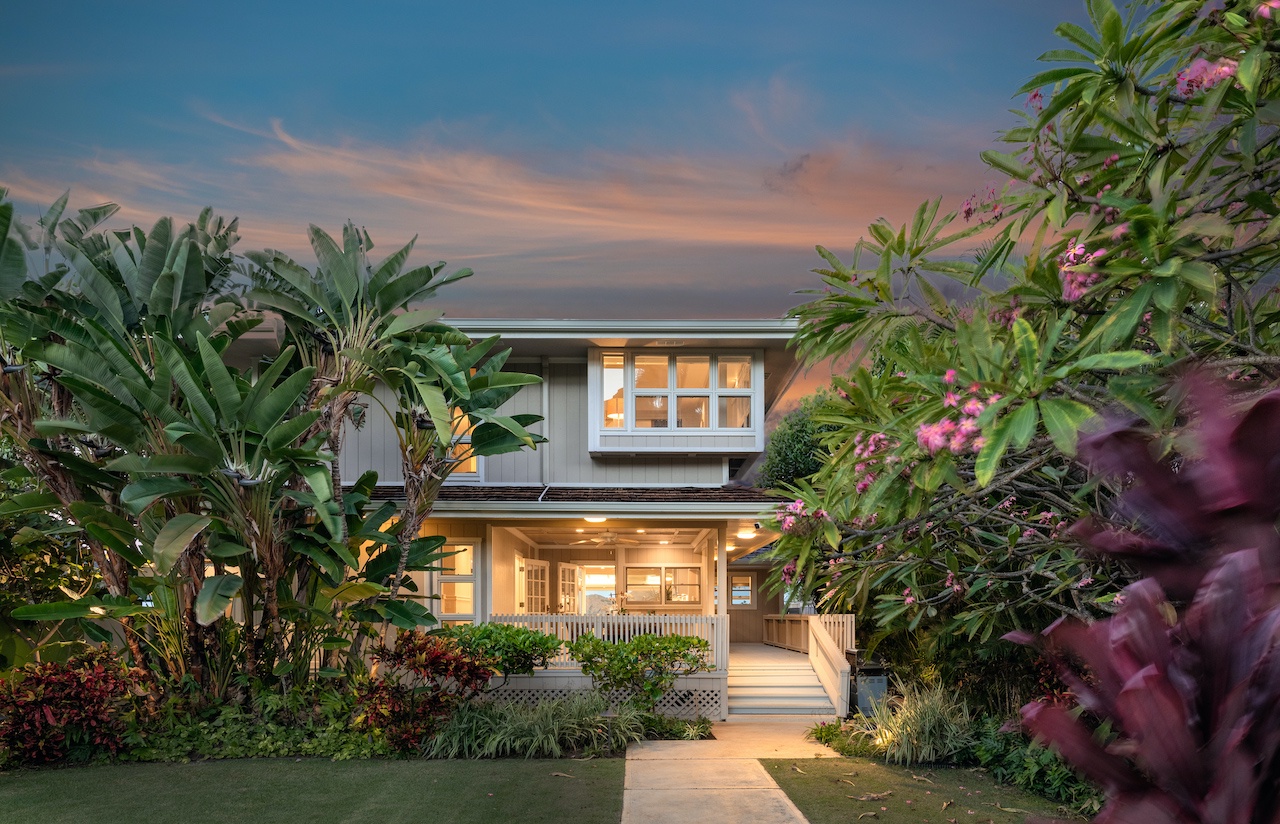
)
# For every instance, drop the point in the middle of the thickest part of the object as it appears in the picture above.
(374, 445)
(571, 461)
(523, 467)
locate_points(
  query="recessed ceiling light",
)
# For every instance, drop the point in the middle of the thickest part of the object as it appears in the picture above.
(746, 534)
(664, 543)
(595, 519)
(579, 530)
(640, 531)
(730, 546)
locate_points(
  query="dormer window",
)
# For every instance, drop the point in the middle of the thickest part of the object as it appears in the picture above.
(655, 400)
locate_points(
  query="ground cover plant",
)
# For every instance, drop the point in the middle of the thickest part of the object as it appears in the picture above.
(1007, 754)
(312, 791)
(577, 723)
(841, 790)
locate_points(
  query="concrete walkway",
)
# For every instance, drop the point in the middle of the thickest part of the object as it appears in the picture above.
(720, 781)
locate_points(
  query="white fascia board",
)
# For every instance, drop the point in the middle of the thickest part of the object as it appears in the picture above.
(703, 329)
(686, 511)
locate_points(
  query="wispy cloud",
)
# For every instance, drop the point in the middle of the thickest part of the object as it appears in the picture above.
(610, 233)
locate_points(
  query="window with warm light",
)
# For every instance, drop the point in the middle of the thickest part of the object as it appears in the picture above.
(456, 585)
(466, 466)
(642, 392)
(664, 585)
(741, 590)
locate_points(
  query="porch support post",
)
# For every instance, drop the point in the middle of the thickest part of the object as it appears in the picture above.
(722, 618)
(722, 602)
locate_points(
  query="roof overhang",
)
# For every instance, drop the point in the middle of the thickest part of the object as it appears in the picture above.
(677, 511)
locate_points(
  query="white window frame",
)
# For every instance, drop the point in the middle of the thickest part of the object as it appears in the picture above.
(672, 438)
(456, 476)
(662, 586)
(753, 590)
(439, 579)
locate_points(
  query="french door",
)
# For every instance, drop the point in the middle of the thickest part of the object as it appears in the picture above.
(570, 589)
(537, 586)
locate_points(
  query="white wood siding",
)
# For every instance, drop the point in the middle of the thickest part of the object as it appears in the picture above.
(569, 462)
(523, 467)
(573, 465)
(374, 445)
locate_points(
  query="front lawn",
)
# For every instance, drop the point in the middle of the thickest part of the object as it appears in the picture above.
(285, 791)
(843, 790)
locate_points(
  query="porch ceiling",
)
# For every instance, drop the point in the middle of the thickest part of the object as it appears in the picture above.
(567, 535)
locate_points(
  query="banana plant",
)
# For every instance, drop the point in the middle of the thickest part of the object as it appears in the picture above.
(345, 317)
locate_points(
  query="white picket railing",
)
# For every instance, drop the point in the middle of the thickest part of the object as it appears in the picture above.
(712, 628)
(829, 661)
(841, 629)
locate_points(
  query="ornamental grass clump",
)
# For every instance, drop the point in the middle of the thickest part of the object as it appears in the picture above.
(1186, 674)
(924, 724)
(574, 724)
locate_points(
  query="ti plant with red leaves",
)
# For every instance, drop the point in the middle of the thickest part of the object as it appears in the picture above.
(422, 680)
(1187, 672)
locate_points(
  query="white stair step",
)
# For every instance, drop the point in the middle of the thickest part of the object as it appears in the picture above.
(781, 709)
(778, 692)
(755, 680)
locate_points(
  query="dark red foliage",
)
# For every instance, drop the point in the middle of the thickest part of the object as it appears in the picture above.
(51, 712)
(1224, 498)
(420, 681)
(1192, 694)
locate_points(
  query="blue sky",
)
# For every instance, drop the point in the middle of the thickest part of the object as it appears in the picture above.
(650, 159)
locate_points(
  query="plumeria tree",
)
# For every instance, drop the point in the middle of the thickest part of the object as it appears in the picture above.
(1134, 231)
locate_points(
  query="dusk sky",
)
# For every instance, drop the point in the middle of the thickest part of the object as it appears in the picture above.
(608, 160)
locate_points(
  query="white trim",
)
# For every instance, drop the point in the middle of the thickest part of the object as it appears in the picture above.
(755, 590)
(697, 329)
(672, 440)
(677, 510)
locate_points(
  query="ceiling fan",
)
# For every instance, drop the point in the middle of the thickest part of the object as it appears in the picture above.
(606, 538)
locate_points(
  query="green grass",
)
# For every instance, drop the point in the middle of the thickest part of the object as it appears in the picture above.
(822, 787)
(285, 791)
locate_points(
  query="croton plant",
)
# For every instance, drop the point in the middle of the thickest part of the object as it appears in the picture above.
(1179, 690)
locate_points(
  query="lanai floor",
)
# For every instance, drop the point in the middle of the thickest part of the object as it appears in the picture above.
(763, 655)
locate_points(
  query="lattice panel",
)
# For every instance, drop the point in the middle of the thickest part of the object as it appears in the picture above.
(677, 703)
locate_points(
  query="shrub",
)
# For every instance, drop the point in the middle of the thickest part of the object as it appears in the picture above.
(514, 650)
(73, 711)
(312, 720)
(645, 668)
(794, 450)
(923, 725)
(1190, 689)
(422, 679)
(665, 728)
(554, 728)
(1012, 758)
(845, 737)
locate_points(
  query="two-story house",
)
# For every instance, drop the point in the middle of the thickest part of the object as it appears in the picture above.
(629, 518)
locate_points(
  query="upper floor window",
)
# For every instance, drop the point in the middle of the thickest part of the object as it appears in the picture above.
(645, 392)
(466, 464)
